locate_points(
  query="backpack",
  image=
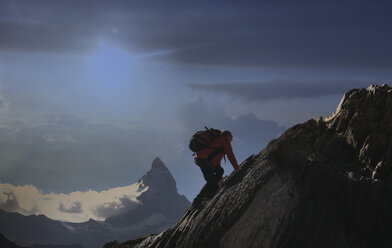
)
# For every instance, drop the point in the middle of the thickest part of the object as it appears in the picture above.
(201, 139)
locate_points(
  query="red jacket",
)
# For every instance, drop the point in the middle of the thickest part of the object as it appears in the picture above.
(220, 142)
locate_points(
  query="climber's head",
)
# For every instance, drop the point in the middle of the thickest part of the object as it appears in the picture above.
(228, 134)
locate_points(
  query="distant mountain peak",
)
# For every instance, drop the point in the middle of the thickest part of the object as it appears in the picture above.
(157, 163)
(158, 178)
(159, 198)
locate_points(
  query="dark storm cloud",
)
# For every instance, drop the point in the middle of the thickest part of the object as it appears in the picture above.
(76, 208)
(259, 92)
(294, 34)
(247, 33)
(115, 208)
(34, 37)
(11, 203)
(46, 26)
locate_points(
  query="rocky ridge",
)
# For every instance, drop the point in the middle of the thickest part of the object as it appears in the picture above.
(322, 183)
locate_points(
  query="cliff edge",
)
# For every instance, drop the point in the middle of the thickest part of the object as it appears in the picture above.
(323, 183)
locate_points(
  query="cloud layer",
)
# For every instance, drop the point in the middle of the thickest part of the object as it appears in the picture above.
(283, 89)
(299, 33)
(73, 207)
(60, 153)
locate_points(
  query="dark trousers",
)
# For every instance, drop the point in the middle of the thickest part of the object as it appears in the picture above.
(212, 175)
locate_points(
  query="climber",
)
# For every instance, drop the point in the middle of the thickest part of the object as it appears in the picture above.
(209, 160)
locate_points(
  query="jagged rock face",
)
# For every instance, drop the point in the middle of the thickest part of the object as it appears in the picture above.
(364, 118)
(324, 183)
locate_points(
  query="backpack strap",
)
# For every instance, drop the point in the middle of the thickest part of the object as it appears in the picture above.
(216, 151)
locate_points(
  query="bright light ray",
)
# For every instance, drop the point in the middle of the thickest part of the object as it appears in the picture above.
(110, 64)
(168, 51)
(109, 74)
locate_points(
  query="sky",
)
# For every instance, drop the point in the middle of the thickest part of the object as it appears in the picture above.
(92, 91)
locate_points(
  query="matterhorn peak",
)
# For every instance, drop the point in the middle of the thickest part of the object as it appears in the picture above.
(158, 178)
(157, 163)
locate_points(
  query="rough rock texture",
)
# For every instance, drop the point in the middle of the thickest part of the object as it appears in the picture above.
(324, 183)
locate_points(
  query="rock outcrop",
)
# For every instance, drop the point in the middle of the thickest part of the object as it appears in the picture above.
(323, 183)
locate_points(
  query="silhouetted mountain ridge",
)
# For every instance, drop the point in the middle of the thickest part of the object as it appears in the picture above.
(160, 198)
(5, 243)
(34, 229)
(158, 179)
(322, 183)
(159, 208)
